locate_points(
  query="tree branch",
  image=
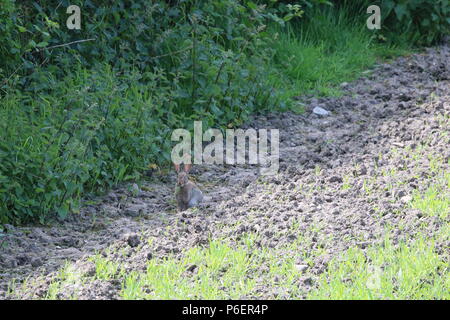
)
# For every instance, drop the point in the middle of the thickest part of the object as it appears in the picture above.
(64, 44)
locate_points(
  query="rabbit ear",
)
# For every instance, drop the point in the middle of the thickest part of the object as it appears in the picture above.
(187, 167)
(177, 167)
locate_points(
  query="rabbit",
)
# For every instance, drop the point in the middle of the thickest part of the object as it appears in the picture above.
(187, 193)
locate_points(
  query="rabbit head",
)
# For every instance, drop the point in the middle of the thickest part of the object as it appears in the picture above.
(183, 175)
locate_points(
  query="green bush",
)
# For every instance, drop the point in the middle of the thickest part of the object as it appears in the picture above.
(84, 117)
(423, 21)
(82, 138)
(419, 22)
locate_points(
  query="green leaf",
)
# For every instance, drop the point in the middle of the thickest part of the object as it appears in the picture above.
(42, 44)
(63, 212)
(288, 17)
(401, 11)
(252, 5)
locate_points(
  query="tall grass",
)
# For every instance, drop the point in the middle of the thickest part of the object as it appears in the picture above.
(329, 47)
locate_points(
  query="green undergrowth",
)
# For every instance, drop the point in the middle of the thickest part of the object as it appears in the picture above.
(436, 199)
(411, 270)
(328, 49)
(408, 270)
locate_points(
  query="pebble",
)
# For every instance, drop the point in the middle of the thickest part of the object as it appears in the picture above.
(321, 111)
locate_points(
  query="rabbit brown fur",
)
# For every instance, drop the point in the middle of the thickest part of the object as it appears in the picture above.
(187, 193)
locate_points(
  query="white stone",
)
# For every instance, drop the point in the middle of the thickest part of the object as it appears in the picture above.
(321, 111)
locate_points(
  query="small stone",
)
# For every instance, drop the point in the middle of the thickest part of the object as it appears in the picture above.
(374, 90)
(406, 199)
(301, 267)
(37, 233)
(69, 241)
(191, 268)
(22, 259)
(132, 239)
(321, 111)
(401, 194)
(198, 227)
(10, 263)
(335, 179)
(36, 262)
(89, 270)
(363, 171)
(268, 234)
(362, 245)
(133, 212)
(307, 281)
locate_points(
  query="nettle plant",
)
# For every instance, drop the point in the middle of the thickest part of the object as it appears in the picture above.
(85, 117)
